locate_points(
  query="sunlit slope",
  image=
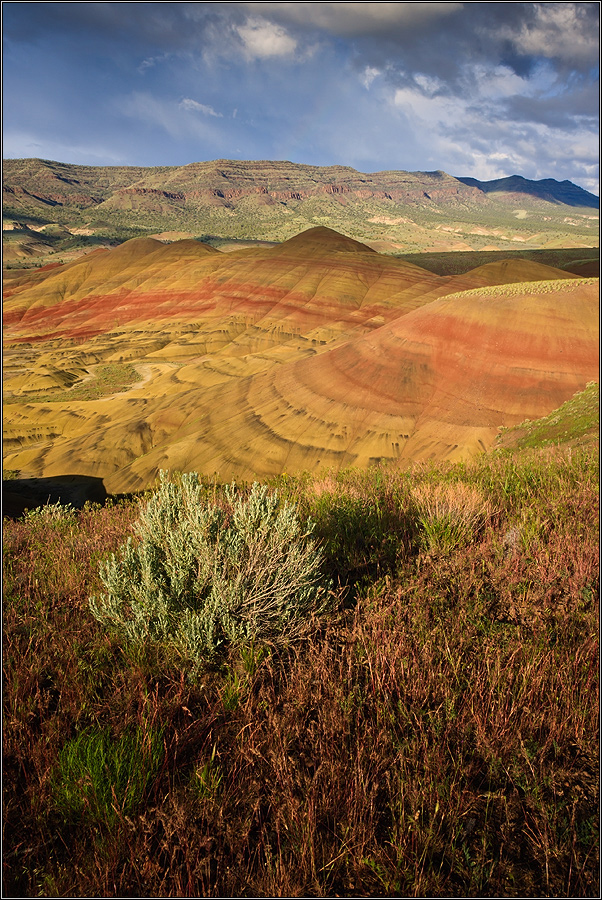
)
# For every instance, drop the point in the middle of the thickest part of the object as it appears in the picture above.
(437, 381)
(225, 314)
(576, 423)
(79, 299)
(312, 290)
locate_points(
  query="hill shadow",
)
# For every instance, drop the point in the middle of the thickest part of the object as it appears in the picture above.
(19, 494)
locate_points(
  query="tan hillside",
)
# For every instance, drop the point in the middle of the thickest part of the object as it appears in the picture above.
(317, 352)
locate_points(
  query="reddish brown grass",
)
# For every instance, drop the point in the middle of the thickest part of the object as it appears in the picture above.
(437, 738)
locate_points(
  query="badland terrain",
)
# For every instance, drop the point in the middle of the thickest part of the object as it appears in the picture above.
(312, 352)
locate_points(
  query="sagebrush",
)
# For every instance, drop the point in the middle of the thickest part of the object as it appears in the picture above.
(204, 574)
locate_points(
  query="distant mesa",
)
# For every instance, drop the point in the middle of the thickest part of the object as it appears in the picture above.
(75, 207)
(318, 352)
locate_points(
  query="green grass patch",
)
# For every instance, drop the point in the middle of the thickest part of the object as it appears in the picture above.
(576, 420)
(98, 776)
(108, 379)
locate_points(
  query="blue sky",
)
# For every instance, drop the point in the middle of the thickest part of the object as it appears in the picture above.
(479, 89)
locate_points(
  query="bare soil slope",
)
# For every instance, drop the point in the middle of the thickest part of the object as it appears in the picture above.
(318, 352)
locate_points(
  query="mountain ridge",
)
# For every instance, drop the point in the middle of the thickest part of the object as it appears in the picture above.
(393, 183)
(273, 200)
(548, 189)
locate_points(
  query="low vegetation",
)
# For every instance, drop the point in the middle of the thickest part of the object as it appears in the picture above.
(575, 422)
(206, 574)
(432, 730)
(107, 379)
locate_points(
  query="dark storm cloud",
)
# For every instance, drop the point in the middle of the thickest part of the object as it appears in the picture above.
(558, 111)
(452, 42)
(440, 39)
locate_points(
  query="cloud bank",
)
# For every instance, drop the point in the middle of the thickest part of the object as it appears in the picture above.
(481, 89)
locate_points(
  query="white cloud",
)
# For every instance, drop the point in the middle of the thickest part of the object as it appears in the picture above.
(262, 39)
(476, 139)
(150, 61)
(500, 81)
(368, 76)
(428, 83)
(429, 111)
(167, 115)
(194, 106)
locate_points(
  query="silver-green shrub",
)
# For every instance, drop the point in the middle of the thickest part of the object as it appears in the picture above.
(203, 574)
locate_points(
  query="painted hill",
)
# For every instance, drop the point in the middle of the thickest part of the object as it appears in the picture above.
(223, 200)
(318, 352)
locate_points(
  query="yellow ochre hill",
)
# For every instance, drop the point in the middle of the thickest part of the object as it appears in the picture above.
(318, 352)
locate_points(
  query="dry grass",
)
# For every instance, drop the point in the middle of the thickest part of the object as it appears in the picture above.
(438, 737)
(451, 513)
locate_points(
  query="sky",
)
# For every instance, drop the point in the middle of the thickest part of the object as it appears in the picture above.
(474, 89)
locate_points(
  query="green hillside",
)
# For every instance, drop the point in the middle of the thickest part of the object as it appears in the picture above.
(576, 423)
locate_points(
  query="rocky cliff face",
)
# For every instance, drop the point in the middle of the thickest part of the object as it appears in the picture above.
(81, 186)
